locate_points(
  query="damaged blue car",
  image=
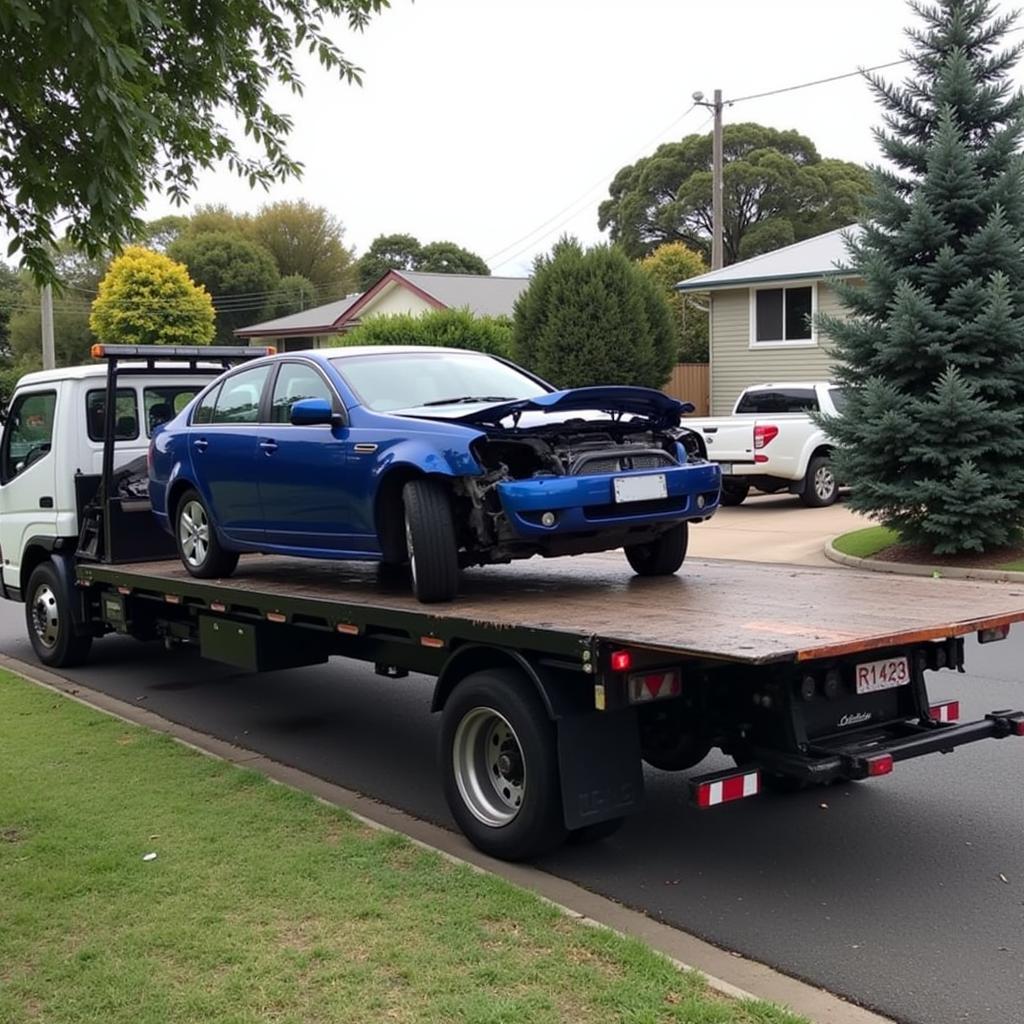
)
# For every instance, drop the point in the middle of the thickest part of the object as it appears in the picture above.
(433, 458)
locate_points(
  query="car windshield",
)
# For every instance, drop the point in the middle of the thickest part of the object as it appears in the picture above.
(410, 380)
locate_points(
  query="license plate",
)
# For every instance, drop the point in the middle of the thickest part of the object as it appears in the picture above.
(873, 676)
(640, 488)
(726, 468)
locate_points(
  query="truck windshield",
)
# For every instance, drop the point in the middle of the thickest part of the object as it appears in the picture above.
(411, 380)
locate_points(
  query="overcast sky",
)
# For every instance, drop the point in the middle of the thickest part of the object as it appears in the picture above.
(498, 124)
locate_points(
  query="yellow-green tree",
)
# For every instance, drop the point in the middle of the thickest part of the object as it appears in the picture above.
(666, 267)
(148, 299)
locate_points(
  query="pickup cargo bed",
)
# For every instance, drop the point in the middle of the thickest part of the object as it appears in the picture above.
(739, 612)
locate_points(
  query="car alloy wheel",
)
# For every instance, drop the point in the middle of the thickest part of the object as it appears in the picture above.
(194, 533)
(489, 767)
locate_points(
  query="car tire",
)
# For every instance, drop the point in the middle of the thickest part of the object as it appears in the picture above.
(199, 548)
(734, 492)
(661, 556)
(430, 541)
(50, 622)
(499, 761)
(820, 487)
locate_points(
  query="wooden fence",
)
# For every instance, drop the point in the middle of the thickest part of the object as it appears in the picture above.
(691, 382)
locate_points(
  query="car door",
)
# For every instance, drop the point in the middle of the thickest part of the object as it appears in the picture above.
(308, 501)
(223, 448)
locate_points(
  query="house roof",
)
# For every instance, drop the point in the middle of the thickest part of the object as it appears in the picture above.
(814, 257)
(482, 295)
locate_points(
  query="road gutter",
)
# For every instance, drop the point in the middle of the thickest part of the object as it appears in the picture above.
(946, 572)
(726, 973)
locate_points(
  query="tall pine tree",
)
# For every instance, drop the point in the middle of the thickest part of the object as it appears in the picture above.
(932, 438)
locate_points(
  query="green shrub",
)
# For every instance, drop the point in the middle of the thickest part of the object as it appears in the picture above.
(445, 328)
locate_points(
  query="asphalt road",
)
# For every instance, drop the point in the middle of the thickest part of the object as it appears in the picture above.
(905, 894)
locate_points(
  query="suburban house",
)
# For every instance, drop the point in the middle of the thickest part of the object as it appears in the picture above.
(762, 314)
(398, 291)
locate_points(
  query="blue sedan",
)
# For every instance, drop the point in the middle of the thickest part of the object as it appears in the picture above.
(434, 458)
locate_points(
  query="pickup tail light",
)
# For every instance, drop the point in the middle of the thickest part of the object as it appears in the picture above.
(764, 434)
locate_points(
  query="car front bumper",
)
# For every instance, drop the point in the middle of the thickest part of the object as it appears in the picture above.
(586, 504)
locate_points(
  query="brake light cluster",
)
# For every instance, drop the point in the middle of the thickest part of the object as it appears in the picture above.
(764, 434)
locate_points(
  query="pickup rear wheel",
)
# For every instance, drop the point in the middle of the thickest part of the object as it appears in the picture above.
(200, 550)
(50, 623)
(430, 541)
(734, 492)
(820, 487)
(500, 763)
(661, 556)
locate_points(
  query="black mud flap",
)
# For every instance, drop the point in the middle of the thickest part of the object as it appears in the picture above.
(600, 766)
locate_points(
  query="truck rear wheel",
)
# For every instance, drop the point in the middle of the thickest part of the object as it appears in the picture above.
(430, 541)
(51, 627)
(734, 492)
(200, 550)
(661, 556)
(820, 487)
(499, 758)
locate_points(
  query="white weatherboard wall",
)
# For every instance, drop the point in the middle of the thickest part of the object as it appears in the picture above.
(736, 365)
(393, 300)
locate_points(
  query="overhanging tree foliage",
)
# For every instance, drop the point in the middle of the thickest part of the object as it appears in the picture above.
(406, 252)
(102, 102)
(776, 190)
(933, 354)
(593, 317)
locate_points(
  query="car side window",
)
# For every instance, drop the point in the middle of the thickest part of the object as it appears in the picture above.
(29, 432)
(239, 398)
(163, 403)
(203, 412)
(296, 381)
(126, 414)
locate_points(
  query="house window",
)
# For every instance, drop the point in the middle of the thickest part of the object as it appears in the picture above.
(783, 315)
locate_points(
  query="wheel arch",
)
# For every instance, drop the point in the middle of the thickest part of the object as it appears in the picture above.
(815, 445)
(388, 517)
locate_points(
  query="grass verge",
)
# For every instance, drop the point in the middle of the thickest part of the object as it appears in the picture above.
(867, 542)
(264, 905)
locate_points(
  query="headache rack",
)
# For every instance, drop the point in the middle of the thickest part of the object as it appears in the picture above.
(115, 528)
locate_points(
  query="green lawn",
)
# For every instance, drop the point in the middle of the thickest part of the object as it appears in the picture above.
(265, 905)
(867, 542)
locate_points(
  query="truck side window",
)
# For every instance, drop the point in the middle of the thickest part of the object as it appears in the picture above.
(126, 414)
(29, 432)
(294, 382)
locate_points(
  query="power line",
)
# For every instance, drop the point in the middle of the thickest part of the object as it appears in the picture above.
(819, 81)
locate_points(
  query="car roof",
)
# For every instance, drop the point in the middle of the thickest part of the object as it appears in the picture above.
(370, 350)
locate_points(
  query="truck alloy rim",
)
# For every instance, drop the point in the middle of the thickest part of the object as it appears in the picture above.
(490, 769)
(824, 482)
(194, 533)
(45, 616)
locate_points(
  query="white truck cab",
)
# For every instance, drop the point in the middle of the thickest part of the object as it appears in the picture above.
(51, 454)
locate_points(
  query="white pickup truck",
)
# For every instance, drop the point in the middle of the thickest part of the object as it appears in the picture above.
(770, 442)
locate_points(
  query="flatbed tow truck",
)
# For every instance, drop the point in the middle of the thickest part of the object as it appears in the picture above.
(555, 680)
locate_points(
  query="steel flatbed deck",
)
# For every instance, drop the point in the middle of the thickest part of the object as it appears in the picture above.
(724, 611)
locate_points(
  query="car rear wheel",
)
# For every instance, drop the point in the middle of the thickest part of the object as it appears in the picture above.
(50, 622)
(430, 541)
(820, 485)
(661, 556)
(200, 550)
(734, 492)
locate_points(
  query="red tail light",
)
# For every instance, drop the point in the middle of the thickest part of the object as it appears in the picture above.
(621, 661)
(764, 434)
(880, 764)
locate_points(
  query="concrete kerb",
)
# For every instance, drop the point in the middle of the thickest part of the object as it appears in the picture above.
(948, 572)
(727, 973)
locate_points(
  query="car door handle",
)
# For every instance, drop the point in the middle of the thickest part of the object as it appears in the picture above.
(200, 444)
(268, 445)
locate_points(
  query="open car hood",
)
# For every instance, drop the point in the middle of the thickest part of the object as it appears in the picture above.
(655, 406)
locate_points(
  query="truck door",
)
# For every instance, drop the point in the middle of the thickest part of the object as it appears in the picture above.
(308, 502)
(28, 476)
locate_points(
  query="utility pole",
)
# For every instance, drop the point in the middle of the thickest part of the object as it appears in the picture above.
(46, 297)
(717, 246)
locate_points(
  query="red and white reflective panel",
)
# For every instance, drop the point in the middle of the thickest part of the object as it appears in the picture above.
(648, 686)
(732, 787)
(945, 711)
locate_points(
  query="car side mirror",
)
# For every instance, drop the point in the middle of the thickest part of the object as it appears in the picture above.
(311, 412)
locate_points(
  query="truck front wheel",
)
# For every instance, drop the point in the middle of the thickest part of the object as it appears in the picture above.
(661, 556)
(500, 762)
(51, 627)
(820, 486)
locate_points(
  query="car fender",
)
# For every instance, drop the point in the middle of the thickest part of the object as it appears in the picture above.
(817, 441)
(434, 455)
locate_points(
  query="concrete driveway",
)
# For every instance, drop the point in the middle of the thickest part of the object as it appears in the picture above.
(773, 528)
